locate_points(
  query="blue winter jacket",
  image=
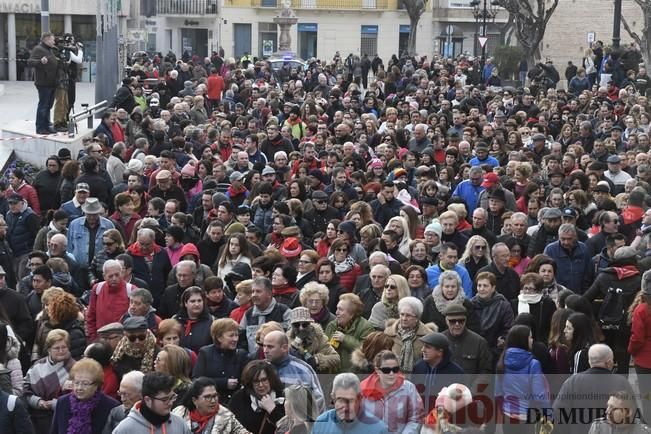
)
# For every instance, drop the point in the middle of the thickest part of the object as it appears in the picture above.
(78, 241)
(434, 272)
(469, 193)
(523, 384)
(573, 268)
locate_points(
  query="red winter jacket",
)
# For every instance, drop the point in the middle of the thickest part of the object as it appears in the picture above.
(639, 344)
(348, 279)
(114, 304)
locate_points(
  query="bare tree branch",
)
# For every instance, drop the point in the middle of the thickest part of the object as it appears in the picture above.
(630, 32)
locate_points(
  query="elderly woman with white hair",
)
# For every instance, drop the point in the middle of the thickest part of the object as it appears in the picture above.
(396, 288)
(407, 331)
(449, 291)
(315, 297)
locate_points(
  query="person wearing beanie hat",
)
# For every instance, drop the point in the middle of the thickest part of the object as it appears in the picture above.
(435, 370)
(309, 343)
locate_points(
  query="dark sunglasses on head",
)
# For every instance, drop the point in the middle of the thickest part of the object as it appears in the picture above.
(387, 370)
(133, 338)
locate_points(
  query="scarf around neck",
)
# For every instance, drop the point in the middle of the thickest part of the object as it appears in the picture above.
(407, 338)
(200, 419)
(442, 303)
(153, 418)
(526, 300)
(80, 414)
(373, 390)
(345, 266)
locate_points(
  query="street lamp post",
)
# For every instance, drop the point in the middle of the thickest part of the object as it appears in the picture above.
(486, 13)
(617, 18)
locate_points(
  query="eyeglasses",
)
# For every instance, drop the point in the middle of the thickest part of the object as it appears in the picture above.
(166, 399)
(213, 397)
(133, 338)
(83, 384)
(260, 381)
(341, 250)
(301, 325)
(390, 287)
(387, 370)
(456, 321)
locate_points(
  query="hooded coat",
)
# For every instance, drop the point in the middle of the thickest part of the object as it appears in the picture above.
(203, 271)
(154, 276)
(316, 345)
(523, 384)
(135, 423)
(400, 407)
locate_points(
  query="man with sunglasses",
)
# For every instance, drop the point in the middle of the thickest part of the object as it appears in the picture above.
(468, 349)
(137, 349)
(153, 414)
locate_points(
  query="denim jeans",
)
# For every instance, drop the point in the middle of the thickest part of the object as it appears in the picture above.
(45, 103)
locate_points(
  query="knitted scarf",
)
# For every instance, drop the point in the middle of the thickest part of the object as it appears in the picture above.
(343, 267)
(283, 290)
(80, 414)
(407, 351)
(442, 303)
(147, 354)
(391, 309)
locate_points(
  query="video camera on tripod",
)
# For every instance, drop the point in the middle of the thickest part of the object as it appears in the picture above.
(65, 44)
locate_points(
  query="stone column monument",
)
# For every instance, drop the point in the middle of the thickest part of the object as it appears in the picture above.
(285, 20)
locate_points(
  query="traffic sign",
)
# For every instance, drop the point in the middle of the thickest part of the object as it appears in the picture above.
(482, 41)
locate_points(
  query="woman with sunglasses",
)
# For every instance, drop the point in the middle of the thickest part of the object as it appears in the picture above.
(395, 289)
(346, 267)
(113, 247)
(476, 256)
(390, 397)
(203, 413)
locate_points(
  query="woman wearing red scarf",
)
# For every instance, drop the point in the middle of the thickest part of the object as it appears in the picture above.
(390, 397)
(203, 414)
(195, 319)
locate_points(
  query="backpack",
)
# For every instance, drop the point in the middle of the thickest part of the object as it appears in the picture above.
(612, 312)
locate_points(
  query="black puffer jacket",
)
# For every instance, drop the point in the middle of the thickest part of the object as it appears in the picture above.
(220, 365)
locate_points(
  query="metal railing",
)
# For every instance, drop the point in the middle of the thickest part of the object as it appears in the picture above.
(325, 4)
(186, 7)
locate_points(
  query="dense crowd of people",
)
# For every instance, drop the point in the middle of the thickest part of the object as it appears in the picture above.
(240, 250)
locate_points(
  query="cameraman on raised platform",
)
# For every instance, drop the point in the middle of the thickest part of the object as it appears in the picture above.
(45, 62)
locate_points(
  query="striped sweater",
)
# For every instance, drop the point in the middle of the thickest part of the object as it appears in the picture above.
(45, 379)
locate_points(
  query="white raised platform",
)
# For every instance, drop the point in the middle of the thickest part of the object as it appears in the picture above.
(35, 148)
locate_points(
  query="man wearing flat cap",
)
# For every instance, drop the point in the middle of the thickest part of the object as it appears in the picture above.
(435, 370)
(623, 273)
(468, 349)
(137, 349)
(547, 232)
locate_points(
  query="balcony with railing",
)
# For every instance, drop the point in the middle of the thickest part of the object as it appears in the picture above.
(316, 4)
(186, 7)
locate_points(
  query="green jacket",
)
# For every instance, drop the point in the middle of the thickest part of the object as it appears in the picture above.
(355, 335)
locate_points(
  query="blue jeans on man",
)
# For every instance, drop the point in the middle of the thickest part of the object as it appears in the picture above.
(45, 103)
